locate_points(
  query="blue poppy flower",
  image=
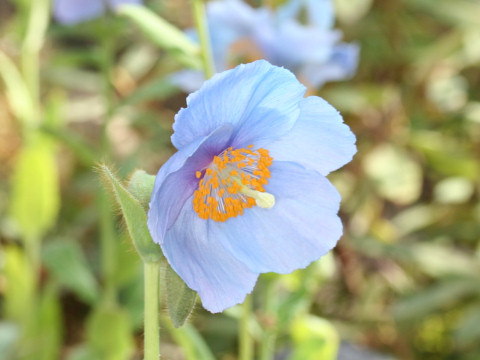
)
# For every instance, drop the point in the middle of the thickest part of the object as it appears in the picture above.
(246, 191)
(312, 51)
(70, 12)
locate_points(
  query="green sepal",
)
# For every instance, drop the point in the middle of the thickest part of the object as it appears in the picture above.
(141, 187)
(135, 218)
(180, 298)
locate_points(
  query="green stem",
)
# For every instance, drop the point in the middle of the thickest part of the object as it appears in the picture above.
(107, 223)
(245, 340)
(108, 248)
(32, 44)
(151, 326)
(202, 29)
(267, 347)
(107, 64)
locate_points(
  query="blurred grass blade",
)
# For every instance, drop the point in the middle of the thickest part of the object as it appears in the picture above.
(18, 95)
(48, 332)
(135, 217)
(180, 298)
(109, 334)
(82, 150)
(65, 260)
(35, 197)
(444, 294)
(157, 89)
(163, 34)
(190, 341)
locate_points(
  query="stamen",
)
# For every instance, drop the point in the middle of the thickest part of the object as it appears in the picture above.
(233, 182)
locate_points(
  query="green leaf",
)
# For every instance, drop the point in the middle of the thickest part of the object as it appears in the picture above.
(396, 176)
(434, 298)
(440, 260)
(135, 217)
(191, 342)
(35, 195)
(19, 278)
(109, 334)
(65, 260)
(154, 90)
(468, 331)
(9, 335)
(163, 34)
(82, 150)
(82, 352)
(314, 338)
(180, 298)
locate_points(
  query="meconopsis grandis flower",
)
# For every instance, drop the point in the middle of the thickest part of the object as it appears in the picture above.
(311, 49)
(246, 192)
(70, 12)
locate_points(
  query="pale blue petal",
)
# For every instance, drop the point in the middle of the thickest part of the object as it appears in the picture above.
(70, 12)
(292, 44)
(206, 267)
(236, 16)
(319, 140)
(258, 99)
(188, 80)
(341, 65)
(176, 180)
(319, 12)
(301, 227)
(115, 3)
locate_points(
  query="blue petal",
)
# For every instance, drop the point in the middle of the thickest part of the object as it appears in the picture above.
(206, 267)
(176, 180)
(301, 227)
(70, 12)
(320, 12)
(236, 16)
(292, 44)
(341, 65)
(259, 100)
(187, 80)
(115, 3)
(319, 140)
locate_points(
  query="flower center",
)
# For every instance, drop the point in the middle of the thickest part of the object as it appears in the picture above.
(232, 182)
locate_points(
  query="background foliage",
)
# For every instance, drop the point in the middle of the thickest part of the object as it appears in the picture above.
(402, 281)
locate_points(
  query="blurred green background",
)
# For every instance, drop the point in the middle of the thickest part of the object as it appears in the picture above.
(403, 281)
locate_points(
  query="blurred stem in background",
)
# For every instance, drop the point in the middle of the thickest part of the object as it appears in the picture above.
(108, 238)
(152, 327)
(245, 338)
(30, 62)
(267, 346)
(32, 44)
(204, 36)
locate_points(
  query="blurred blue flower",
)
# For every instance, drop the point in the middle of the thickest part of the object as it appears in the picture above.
(246, 191)
(70, 12)
(313, 51)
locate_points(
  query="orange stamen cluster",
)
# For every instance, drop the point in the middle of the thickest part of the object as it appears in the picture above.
(220, 194)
